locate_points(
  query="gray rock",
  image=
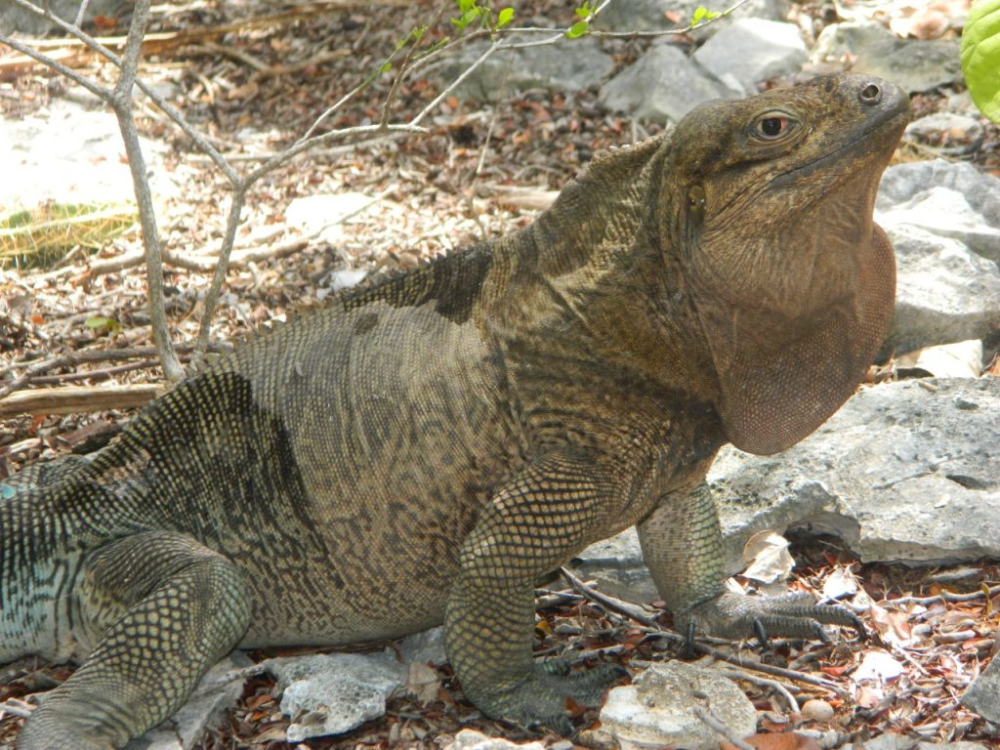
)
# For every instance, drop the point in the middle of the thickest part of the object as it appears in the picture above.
(70, 153)
(218, 690)
(469, 739)
(890, 741)
(659, 709)
(983, 695)
(904, 472)
(944, 293)
(567, 66)
(913, 65)
(334, 693)
(663, 85)
(753, 50)
(969, 212)
(952, 133)
(16, 19)
(425, 647)
(651, 15)
(617, 565)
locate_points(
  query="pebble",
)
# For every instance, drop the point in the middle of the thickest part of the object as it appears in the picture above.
(817, 710)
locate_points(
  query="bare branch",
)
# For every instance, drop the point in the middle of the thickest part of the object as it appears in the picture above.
(71, 74)
(212, 297)
(122, 104)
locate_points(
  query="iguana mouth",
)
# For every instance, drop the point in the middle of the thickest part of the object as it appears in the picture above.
(899, 113)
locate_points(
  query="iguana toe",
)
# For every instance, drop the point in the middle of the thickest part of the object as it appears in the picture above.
(794, 615)
(542, 698)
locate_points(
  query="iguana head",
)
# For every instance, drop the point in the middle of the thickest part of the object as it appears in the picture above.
(791, 281)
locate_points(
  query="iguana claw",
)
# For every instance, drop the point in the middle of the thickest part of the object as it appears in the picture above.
(541, 698)
(793, 615)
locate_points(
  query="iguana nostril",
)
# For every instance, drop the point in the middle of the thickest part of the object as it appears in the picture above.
(871, 94)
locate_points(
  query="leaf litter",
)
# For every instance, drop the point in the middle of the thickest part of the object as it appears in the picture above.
(255, 94)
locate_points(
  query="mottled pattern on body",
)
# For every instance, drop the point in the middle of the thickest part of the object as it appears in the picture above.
(425, 449)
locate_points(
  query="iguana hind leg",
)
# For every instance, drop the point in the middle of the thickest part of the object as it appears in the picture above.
(682, 545)
(533, 524)
(164, 609)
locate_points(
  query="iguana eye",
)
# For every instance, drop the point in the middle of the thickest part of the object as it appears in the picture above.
(773, 126)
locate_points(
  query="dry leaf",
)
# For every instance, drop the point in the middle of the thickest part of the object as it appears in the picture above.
(841, 583)
(877, 665)
(766, 557)
(961, 360)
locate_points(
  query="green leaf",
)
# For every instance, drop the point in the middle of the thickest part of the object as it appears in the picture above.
(468, 17)
(981, 56)
(99, 321)
(504, 17)
(585, 10)
(386, 67)
(701, 14)
(578, 29)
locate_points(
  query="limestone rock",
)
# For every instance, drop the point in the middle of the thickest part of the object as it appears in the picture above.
(567, 66)
(950, 199)
(913, 65)
(13, 18)
(651, 15)
(944, 293)
(983, 695)
(660, 709)
(906, 471)
(219, 689)
(469, 739)
(334, 693)
(663, 85)
(753, 50)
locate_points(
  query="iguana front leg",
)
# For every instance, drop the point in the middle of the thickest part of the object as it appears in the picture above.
(682, 545)
(534, 523)
(164, 609)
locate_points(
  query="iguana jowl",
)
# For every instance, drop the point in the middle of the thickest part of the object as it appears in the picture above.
(425, 449)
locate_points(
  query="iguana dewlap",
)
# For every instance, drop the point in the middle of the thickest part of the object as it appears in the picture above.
(423, 450)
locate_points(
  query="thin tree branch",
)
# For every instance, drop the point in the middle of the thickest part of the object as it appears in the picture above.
(122, 105)
(212, 297)
(71, 74)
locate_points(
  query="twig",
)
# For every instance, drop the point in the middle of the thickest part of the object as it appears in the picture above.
(93, 88)
(212, 297)
(73, 399)
(946, 596)
(782, 690)
(122, 105)
(718, 726)
(630, 610)
(101, 374)
(81, 13)
(69, 360)
(16, 707)
(404, 67)
(616, 605)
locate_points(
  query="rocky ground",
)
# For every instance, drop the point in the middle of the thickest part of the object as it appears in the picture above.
(908, 472)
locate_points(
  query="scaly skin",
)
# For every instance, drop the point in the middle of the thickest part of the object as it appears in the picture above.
(424, 450)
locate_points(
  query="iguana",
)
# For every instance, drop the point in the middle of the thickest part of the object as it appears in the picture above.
(423, 450)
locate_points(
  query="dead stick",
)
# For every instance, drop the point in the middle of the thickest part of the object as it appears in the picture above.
(101, 374)
(103, 355)
(630, 610)
(72, 400)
